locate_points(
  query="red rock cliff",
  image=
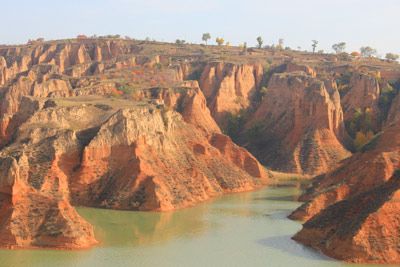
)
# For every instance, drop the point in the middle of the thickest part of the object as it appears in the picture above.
(299, 125)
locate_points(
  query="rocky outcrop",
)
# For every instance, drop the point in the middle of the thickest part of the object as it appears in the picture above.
(229, 87)
(370, 168)
(394, 113)
(294, 67)
(187, 100)
(70, 132)
(112, 154)
(34, 195)
(352, 213)
(175, 164)
(298, 127)
(363, 95)
(362, 229)
(38, 82)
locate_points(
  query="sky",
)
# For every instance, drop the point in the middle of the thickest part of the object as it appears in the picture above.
(374, 23)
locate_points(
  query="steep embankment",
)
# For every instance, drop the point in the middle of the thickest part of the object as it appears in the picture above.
(298, 125)
(353, 212)
(98, 123)
(371, 167)
(229, 88)
(291, 121)
(365, 228)
(112, 154)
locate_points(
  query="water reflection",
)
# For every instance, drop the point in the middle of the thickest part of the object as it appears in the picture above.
(249, 229)
(285, 244)
(130, 229)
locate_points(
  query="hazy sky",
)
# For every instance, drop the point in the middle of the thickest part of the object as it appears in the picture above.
(358, 22)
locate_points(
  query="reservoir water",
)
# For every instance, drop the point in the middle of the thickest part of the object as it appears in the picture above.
(246, 229)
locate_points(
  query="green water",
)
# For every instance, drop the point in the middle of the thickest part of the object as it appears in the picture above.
(248, 229)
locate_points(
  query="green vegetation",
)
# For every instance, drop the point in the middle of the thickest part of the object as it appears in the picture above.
(126, 89)
(220, 41)
(396, 173)
(206, 37)
(235, 125)
(254, 133)
(392, 57)
(314, 45)
(235, 128)
(361, 121)
(339, 47)
(372, 143)
(343, 83)
(260, 41)
(362, 139)
(180, 42)
(367, 51)
(360, 128)
(388, 93)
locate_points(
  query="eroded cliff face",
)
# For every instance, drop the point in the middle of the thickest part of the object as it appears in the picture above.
(299, 125)
(175, 164)
(112, 124)
(293, 123)
(363, 95)
(34, 194)
(97, 123)
(229, 88)
(296, 123)
(394, 113)
(76, 69)
(73, 58)
(362, 229)
(352, 213)
(370, 168)
(113, 153)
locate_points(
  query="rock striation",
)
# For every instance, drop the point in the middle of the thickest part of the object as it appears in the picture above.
(229, 87)
(352, 213)
(133, 125)
(361, 229)
(370, 168)
(112, 153)
(298, 127)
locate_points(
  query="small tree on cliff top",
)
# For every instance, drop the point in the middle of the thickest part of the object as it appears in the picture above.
(367, 51)
(206, 37)
(339, 47)
(220, 41)
(392, 57)
(260, 41)
(314, 45)
(281, 42)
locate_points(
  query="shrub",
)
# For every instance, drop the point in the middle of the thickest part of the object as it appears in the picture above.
(392, 57)
(255, 132)
(372, 143)
(367, 51)
(388, 93)
(220, 41)
(361, 122)
(235, 125)
(362, 139)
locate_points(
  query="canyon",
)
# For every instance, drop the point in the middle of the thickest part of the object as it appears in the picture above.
(147, 126)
